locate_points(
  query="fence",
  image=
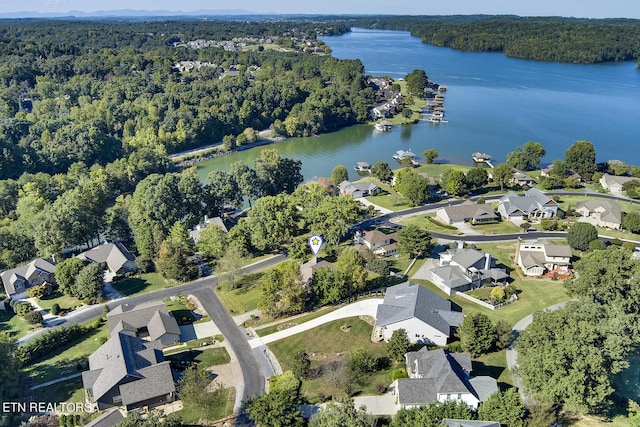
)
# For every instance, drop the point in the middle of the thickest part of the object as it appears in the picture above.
(513, 299)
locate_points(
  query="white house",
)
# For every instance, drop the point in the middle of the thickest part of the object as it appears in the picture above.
(427, 317)
(614, 183)
(607, 213)
(462, 269)
(439, 376)
(537, 257)
(378, 242)
(533, 204)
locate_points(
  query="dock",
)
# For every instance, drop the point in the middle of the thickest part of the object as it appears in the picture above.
(482, 158)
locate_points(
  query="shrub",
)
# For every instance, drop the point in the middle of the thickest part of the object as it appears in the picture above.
(22, 308)
(34, 317)
(55, 309)
(399, 373)
(498, 293)
(381, 388)
(455, 347)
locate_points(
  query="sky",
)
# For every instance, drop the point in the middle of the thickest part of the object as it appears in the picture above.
(575, 8)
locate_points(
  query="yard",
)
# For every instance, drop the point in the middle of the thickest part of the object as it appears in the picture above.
(429, 223)
(193, 416)
(66, 302)
(147, 282)
(292, 321)
(204, 358)
(66, 391)
(244, 297)
(14, 325)
(327, 346)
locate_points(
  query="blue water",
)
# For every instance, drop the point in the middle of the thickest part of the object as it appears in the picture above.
(493, 104)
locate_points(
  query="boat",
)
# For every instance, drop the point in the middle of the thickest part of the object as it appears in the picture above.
(362, 167)
(383, 126)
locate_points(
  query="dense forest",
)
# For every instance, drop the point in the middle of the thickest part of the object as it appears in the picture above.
(95, 92)
(539, 38)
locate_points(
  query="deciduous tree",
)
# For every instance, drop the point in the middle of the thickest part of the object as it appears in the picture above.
(505, 407)
(477, 334)
(413, 240)
(580, 234)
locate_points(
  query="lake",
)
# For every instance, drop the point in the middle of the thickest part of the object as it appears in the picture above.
(493, 104)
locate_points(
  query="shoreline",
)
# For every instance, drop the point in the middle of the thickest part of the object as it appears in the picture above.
(204, 156)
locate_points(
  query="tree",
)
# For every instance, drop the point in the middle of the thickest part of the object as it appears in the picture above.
(89, 283)
(502, 174)
(412, 186)
(454, 182)
(417, 81)
(281, 290)
(632, 188)
(277, 174)
(581, 157)
(580, 234)
(398, 345)
(477, 334)
(430, 155)
(10, 369)
(213, 241)
(528, 157)
(566, 356)
(301, 365)
(634, 414)
(477, 177)
(504, 335)
(332, 217)
(342, 413)
(432, 414)
(276, 409)
(192, 390)
(350, 273)
(172, 264)
(339, 174)
(631, 222)
(413, 241)
(228, 267)
(273, 220)
(223, 190)
(382, 171)
(66, 273)
(504, 407)
(179, 239)
(55, 309)
(361, 362)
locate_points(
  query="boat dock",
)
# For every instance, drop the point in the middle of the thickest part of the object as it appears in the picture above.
(482, 158)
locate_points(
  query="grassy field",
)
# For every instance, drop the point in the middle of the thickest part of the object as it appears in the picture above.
(244, 298)
(329, 343)
(66, 359)
(14, 325)
(495, 366)
(437, 169)
(147, 282)
(502, 227)
(192, 416)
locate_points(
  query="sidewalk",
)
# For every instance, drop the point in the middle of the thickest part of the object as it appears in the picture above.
(366, 307)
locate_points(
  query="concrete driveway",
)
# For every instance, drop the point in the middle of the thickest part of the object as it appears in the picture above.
(366, 307)
(377, 405)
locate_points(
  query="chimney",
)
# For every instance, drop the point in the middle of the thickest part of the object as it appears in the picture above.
(487, 261)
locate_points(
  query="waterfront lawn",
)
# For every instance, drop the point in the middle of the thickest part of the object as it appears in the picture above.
(67, 359)
(437, 169)
(65, 391)
(204, 358)
(147, 282)
(327, 344)
(192, 416)
(244, 297)
(66, 302)
(14, 325)
(429, 223)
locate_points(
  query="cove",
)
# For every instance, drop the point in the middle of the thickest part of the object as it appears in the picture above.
(493, 104)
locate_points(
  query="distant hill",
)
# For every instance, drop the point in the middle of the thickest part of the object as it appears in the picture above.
(122, 13)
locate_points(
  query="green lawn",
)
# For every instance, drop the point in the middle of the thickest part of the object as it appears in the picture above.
(66, 359)
(295, 321)
(244, 298)
(205, 358)
(147, 282)
(195, 344)
(65, 302)
(66, 391)
(14, 325)
(502, 227)
(192, 416)
(437, 169)
(327, 344)
(495, 366)
(423, 222)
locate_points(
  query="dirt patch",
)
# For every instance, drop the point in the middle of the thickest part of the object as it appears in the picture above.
(369, 319)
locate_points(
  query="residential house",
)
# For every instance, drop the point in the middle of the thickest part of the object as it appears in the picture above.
(462, 269)
(439, 376)
(533, 204)
(216, 221)
(607, 213)
(378, 242)
(308, 269)
(572, 174)
(358, 189)
(522, 179)
(17, 280)
(614, 183)
(112, 257)
(427, 317)
(151, 321)
(130, 372)
(467, 212)
(540, 256)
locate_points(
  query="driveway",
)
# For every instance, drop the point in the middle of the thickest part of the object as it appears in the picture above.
(366, 307)
(377, 405)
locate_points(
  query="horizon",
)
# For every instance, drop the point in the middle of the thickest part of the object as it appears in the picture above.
(593, 9)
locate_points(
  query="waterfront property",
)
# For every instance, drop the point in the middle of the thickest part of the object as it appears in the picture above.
(112, 257)
(522, 179)
(606, 213)
(462, 269)
(150, 321)
(129, 372)
(308, 269)
(614, 183)
(438, 376)
(378, 242)
(533, 204)
(427, 317)
(358, 189)
(17, 280)
(214, 222)
(536, 258)
(467, 212)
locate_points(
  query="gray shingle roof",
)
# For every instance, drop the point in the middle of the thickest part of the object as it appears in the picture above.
(115, 255)
(611, 211)
(484, 387)
(532, 200)
(469, 210)
(407, 300)
(156, 381)
(26, 273)
(108, 419)
(152, 315)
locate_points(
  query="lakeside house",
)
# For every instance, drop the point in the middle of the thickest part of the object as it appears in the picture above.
(308, 269)
(614, 183)
(358, 189)
(533, 204)
(214, 222)
(438, 376)
(379, 243)
(572, 174)
(427, 317)
(467, 212)
(150, 321)
(522, 179)
(112, 257)
(17, 280)
(538, 257)
(606, 213)
(462, 269)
